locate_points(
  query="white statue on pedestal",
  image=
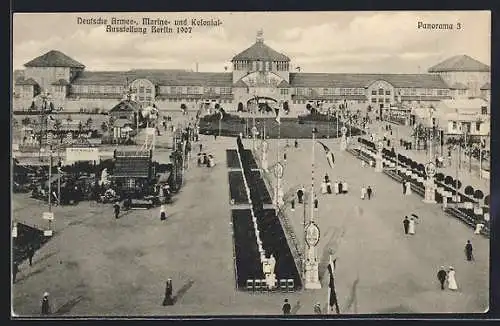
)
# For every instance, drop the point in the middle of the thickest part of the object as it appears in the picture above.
(343, 140)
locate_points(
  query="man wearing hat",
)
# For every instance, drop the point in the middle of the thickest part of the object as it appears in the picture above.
(117, 209)
(441, 275)
(286, 308)
(45, 304)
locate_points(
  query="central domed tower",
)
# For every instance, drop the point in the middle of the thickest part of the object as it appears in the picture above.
(260, 57)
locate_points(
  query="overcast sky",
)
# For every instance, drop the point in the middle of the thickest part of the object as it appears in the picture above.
(371, 42)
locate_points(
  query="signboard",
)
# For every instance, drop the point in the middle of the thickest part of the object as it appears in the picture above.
(312, 234)
(82, 154)
(278, 170)
(47, 233)
(430, 169)
(48, 216)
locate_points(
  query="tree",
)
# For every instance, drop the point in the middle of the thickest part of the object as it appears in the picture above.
(104, 127)
(469, 191)
(478, 194)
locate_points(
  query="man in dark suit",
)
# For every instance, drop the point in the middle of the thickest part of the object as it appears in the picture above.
(406, 224)
(468, 251)
(441, 275)
(286, 308)
(369, 192)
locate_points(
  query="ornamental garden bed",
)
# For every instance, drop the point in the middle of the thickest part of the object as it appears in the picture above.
(232, 159)
(247, 257)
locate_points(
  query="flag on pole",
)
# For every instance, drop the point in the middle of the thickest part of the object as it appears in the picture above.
(278, 115)
(332, 295)
(329, 155)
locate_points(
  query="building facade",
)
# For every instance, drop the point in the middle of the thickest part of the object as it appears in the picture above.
(258, 72)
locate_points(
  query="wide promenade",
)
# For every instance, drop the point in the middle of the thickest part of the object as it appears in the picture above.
(387, 270)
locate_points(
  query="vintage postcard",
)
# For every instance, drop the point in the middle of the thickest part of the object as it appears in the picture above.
(250, 163)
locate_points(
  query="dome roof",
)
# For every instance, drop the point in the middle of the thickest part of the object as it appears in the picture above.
(460, 63)
(260, 51)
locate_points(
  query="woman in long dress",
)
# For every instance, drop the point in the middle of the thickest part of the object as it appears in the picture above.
(363, 192)
(452, 282)
(411, 228)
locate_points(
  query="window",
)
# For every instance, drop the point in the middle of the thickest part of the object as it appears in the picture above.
(461, 92)
(387, 92)
(387, 100)
(380, 91)
(284, 91)
(148, 90)
(478, 126)
(374, 100)
(300, 91)
(484, 110)
(380, 100)
(141, 89)
(374, 92)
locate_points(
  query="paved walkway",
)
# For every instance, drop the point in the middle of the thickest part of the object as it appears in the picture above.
(468, 178)
(388, 271)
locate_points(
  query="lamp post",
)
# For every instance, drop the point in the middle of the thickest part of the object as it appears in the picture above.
(312, 235)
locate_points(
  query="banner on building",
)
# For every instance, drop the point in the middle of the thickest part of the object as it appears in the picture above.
(82, 154)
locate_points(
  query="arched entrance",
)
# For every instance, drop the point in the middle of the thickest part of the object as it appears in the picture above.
(265, 104)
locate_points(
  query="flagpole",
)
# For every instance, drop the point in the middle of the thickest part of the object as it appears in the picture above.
(329, 288)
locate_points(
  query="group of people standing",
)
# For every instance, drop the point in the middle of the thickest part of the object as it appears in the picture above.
(409, 224)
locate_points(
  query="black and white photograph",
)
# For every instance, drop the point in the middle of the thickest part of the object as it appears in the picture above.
(180, 164)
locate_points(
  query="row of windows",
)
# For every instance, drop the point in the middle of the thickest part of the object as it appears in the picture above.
(110, 89)
(465, 126)
(381, 100)
(261, 65)
(175, 100)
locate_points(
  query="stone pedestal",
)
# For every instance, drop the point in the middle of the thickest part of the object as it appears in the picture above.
(312, 270)
(343, 143)
(430, 188)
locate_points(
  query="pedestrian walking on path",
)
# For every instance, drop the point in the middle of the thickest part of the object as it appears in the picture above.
(163, 215)
(468, 251)
(406, 224)
(369, 192)
(287, 308)
(116, 207)
(452, 282)
(317, 308)
(300, 194)
(404, 187)
(363, 192)
(296, 144)
(31, 253)
(168, 300)
(441, 275)
(201, 148)
(45, 304)
(411, 228)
